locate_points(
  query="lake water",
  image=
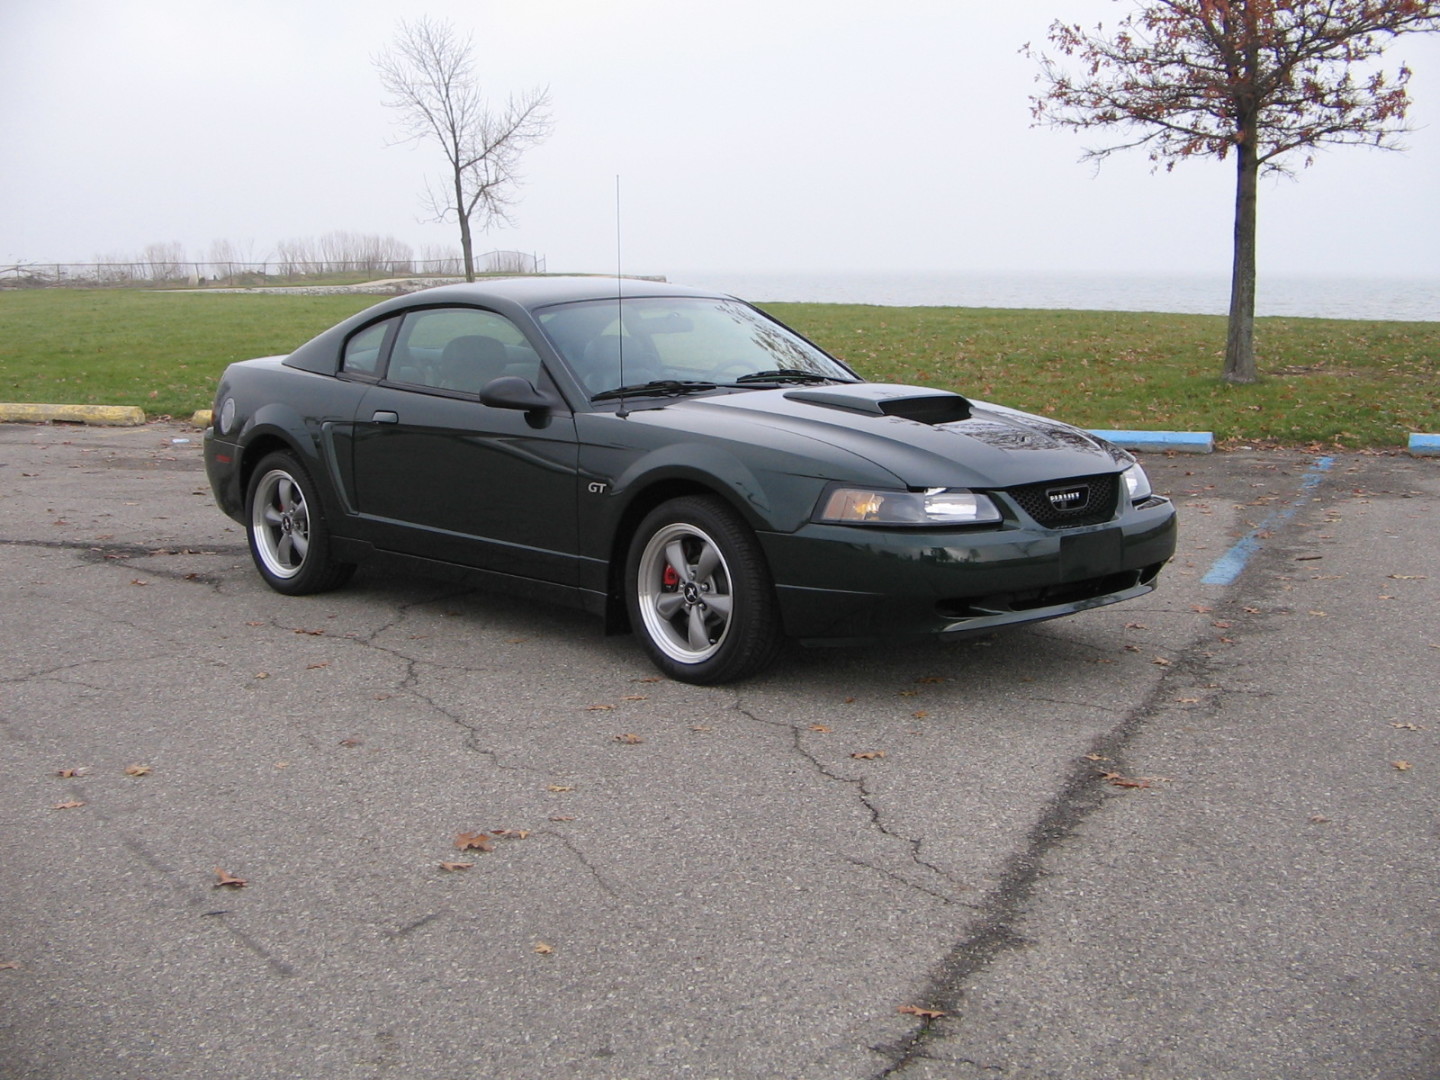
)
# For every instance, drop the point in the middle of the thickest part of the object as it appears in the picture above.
(1408, 299)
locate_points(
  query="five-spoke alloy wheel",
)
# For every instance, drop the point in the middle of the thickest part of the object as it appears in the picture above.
(288, 538)
(699, 593)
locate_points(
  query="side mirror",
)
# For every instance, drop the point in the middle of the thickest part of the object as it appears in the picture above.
(513, 392)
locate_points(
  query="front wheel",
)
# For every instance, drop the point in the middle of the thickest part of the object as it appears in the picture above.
(699, 593)
(288, 537)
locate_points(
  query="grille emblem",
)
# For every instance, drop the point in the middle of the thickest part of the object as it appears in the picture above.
(1071, 498)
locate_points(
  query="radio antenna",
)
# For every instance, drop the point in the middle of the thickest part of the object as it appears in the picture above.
(621, 412)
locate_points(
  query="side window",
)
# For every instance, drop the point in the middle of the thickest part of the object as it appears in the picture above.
(362, 352)
(460, 349)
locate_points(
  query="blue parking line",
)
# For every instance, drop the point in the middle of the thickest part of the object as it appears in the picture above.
(1230, 565)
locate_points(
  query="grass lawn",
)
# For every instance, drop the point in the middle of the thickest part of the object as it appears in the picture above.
(1324, 382)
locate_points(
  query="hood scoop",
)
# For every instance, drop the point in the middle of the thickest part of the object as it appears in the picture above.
(871, 399)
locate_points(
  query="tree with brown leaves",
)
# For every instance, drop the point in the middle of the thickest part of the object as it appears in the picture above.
(1262, 79)
(430, 77)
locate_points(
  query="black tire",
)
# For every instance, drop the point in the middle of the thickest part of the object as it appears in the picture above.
(699, 593)
(289, 540)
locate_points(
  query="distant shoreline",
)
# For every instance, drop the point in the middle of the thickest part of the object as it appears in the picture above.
(1405, 299)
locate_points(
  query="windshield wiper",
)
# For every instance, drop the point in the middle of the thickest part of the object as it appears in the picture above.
(657, 388)
(779, 375)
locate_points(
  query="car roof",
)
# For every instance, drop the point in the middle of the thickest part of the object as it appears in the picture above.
(535, 292)
(515, 297)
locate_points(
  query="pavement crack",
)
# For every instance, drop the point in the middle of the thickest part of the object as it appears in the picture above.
(872, 808)
(1083, 791)
(584, 860)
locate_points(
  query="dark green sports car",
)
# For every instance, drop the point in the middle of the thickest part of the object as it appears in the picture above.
(675, 461)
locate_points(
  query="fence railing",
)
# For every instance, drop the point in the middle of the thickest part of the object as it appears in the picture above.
(199, 275)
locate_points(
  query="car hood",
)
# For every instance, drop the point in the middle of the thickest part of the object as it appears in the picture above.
(925, 437)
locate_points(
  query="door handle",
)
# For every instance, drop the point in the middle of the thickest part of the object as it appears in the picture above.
(385, 416)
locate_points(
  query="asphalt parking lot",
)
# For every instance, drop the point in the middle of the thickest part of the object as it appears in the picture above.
(1190, 836)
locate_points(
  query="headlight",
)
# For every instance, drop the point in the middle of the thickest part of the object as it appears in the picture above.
(226, 416)
(937, 506)
(1137, 483)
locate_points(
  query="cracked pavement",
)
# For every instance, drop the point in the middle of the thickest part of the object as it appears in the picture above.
(1166, 839)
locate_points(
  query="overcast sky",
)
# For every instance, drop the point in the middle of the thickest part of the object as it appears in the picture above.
(758, 136)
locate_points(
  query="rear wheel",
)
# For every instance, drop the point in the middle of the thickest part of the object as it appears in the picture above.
(699, 593)
(289, 540)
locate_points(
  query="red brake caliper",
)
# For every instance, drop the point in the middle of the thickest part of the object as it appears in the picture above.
(670, 579)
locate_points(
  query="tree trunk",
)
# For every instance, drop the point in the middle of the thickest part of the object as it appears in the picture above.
(467, 247)
(1240, 337)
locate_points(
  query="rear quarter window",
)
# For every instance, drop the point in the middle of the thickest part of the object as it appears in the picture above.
(363, 351)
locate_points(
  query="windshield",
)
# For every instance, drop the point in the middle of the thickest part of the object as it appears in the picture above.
(677, 341)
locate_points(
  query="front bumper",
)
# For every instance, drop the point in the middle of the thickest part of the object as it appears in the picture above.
(839, 584)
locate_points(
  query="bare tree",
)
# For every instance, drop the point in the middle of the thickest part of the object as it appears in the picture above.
(1261, 78)
(429, 75)
(165, 261)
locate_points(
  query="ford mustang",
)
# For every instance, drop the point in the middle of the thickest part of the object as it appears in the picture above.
(675, 461)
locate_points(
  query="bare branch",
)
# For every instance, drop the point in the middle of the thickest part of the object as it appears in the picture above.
(429, 79)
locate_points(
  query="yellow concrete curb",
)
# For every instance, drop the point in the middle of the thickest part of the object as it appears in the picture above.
(110, 415)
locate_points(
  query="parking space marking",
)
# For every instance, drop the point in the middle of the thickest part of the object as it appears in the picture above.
(1229, 566)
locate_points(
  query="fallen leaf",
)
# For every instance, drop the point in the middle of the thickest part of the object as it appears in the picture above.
(635, 697)
(822, 728)
(647, 679)
(10, 965)
(137, 581)
(262, 674)
(931, 679)
(352, 742)
(71, 805)
(1319, 819)
(228, 881)
(510, 834)
(920, 714)
(908, 693)
(1118, 780)
(1136, 626)
(1188, 700)
(1201, 609)
(1095, 757)
(1162, 661)
(70, 774)
(559, 787)
(629, 738)
(598, 708)
(869, 755)
(1407, 577)
(137, 770)
(544, 949)
(851, 700)
(312, 667)
(1319, 614)
(451, 867)
(1401, 765)
(1252, 611)
(701, 727)
(924, 1014)
(312, 633)
(562, 819)
(1308, 558)
(1401, 726)
(476, 841)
